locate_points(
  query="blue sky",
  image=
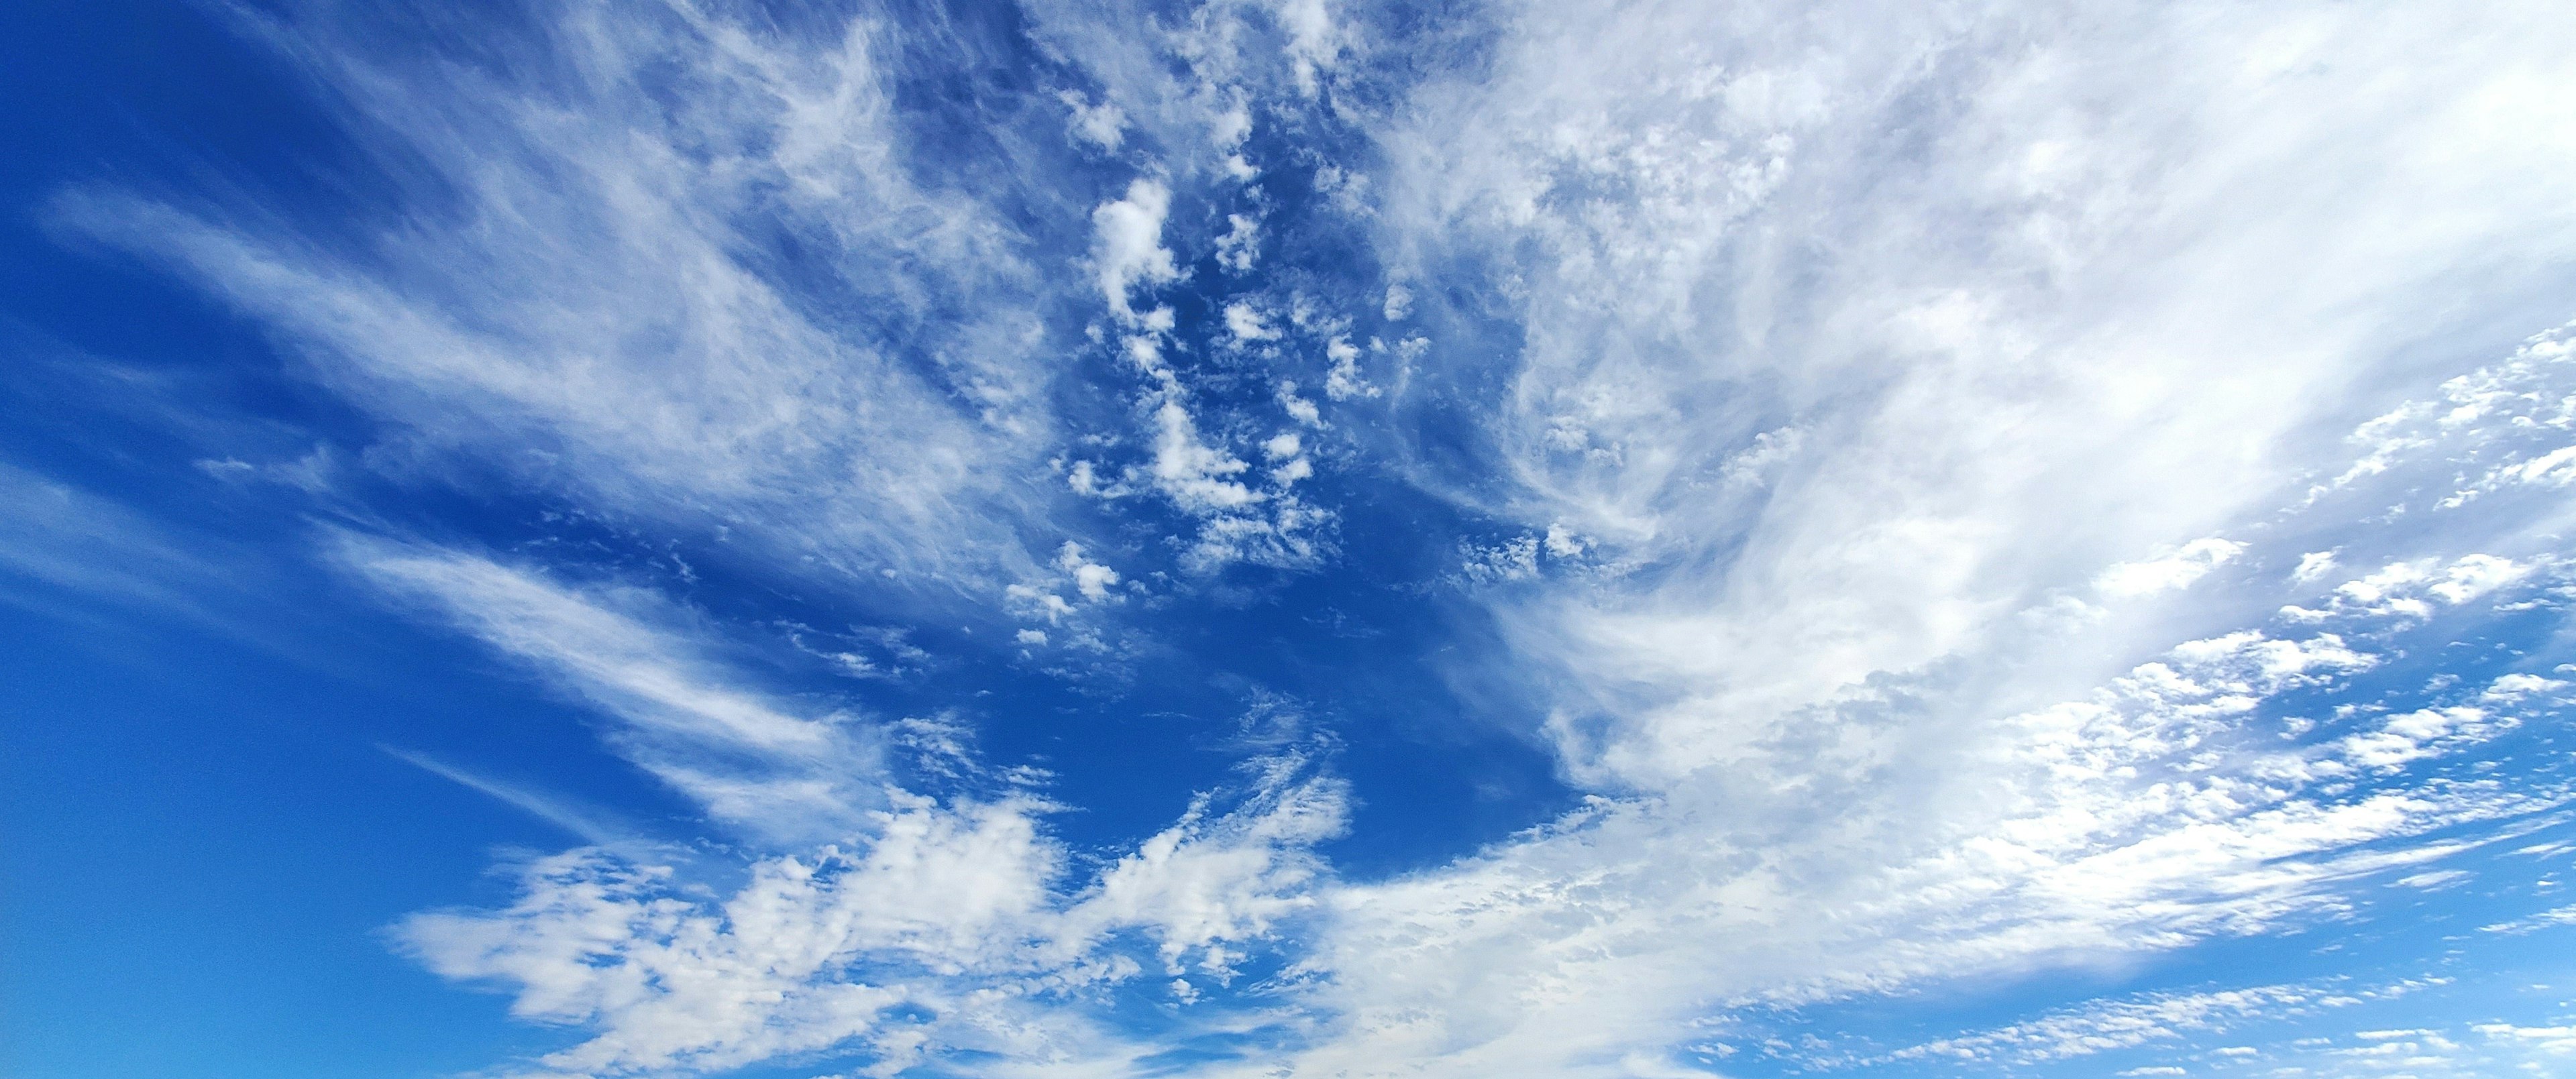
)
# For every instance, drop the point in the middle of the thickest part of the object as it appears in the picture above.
(1297, 538)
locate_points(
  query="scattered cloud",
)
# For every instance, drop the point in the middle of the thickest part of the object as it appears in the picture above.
(1811, 432)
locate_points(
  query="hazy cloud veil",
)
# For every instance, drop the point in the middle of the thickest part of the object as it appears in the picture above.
(1972, 514)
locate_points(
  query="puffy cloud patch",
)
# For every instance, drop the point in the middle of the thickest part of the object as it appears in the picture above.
(1128, 246)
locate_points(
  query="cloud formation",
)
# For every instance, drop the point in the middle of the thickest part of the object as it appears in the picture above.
(1943, 495)
(576, 296)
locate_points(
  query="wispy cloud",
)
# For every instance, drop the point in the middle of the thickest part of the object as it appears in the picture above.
(1934, 471)
(954, 926)
(1824, 763)
(752, 761)
(67, 538)
(891, 923)
(1866, 853)
(582, 822)
(2112, 1025)
(573, 297)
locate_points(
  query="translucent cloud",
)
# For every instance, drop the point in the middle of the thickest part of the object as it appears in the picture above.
(571, 298)
(781, 772)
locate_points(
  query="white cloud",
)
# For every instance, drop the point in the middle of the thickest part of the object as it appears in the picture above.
(953, 911)
(755, 763)
(2548, 919)
(1245, 323)
(1236, 523)
(1837, 338)
(2554, 1040)
(1103, 125)
(2434, 881)
(1314, 41)
(1299, 408)
(1514, 559)
(2011, 367)
(958, 912)
(671, 982)
(2413, 735)
(2410, 589)
(1343, 381)
(2150, 814)
(2501, 426)
(1090, 578)
(2176, 569)
(575, 307)
(1031, 601)
(1196, 476)
(2513, 688)
(1237, 249)
(1287, 448)
(1127, 248)
(2112, 1025)
(1205, 882)
(1764, 456)
(2074, 314)
(1562, 542)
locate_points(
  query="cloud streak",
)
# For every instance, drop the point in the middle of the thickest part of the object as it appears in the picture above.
(575, 300)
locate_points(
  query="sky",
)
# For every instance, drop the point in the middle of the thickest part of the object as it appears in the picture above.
(1299, 539)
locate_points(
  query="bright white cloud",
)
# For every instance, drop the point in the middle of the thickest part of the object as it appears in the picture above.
(1246, 324)
(1090, 578)
(2147, 815)
(960, 910)
(2177, 569)
(1344, 381)
(957, 912)
(2415, 589)
(1985, 421)
(1128, 246)
(1198, 477)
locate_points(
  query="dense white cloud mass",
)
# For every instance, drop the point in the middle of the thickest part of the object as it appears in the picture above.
(1971, 490)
